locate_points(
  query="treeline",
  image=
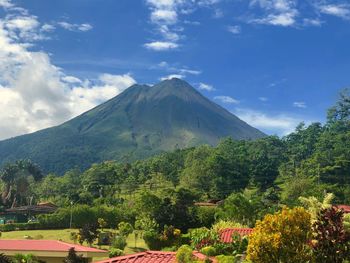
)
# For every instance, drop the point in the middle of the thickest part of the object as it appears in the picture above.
(253, 177)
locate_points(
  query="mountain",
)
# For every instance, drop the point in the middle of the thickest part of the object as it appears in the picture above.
(139, 122)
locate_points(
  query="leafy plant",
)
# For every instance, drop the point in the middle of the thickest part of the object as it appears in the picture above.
(115, 252)
(184, 254)
(331, 243)
(88, 233)
(119, 242)
(281, 237)
(72, 257)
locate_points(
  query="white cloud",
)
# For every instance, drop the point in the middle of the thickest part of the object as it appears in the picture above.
(178, 76)
(299, 104)
(280, 124)
(35, 94)
(189, 71)
(48, 28)
(264, 99)
(218, 13)
(71, 79)
(340, 10)
(312, 22)
(164, 16)
(277, 12)
(283, 19)
(204, 86)
(6, 3)
(234, 29)
(75, 27)
(161, 45)
(226, 99)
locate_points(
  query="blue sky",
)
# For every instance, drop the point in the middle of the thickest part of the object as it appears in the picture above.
(273, 63)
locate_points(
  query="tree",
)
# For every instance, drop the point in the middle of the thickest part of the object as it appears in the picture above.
(331, 243)
(125, 229)
(16, 176)
(281, 237)
(314, 206)
(88, 233)
(338, 116)
(72, 257)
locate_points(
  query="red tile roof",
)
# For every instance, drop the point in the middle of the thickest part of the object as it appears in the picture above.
(345, 208)
(144, 257)
(226, 234)
(151, 257)
(43, 245)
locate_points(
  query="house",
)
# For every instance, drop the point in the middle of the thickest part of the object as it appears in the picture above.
(345, 208)
(22, 214)
(50, 251)
(151, 257)
(226, 234)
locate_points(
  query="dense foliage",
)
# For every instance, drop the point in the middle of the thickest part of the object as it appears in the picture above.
(282, 237)
(331, 243)
(252, 180)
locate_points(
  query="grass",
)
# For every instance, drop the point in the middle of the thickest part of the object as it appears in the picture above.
(64, 235)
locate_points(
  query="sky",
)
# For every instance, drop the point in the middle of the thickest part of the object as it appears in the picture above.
(273, 63)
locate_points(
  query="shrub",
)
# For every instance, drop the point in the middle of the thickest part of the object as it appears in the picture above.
(152, 240)
(281, 237)
(119, 242)
(88, 233)
(21, 226)
(184, 254)
(226, 259)
(331, 242)
(125, 229)
(202, 237)
(115, 252)
(209, 251)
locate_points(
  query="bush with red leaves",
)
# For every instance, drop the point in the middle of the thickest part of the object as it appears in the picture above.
(331, 243)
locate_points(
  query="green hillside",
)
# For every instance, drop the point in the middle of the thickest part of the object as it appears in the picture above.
(138, 123)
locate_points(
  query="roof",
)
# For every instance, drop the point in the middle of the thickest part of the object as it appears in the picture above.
(144, 257)
(32, 209)
(345, 208)
(150, 257)
(43, 245)
(226, 234)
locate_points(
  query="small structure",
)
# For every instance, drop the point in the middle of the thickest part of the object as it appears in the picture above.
(22, 214)
(210, 203)
(226, 234)
(50, 251)
(150, 257)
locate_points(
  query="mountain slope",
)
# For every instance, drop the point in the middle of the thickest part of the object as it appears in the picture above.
(138, 123)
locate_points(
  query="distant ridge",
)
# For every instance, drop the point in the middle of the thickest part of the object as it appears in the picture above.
(140, 122)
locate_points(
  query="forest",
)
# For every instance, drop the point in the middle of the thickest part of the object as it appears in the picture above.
(248, 180)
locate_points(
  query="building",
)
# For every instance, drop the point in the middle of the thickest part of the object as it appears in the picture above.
(22, 214)
(151, 257)
(50, 251)
(226, 234)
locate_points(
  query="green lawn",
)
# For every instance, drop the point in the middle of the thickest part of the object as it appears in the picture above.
(64, 235)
